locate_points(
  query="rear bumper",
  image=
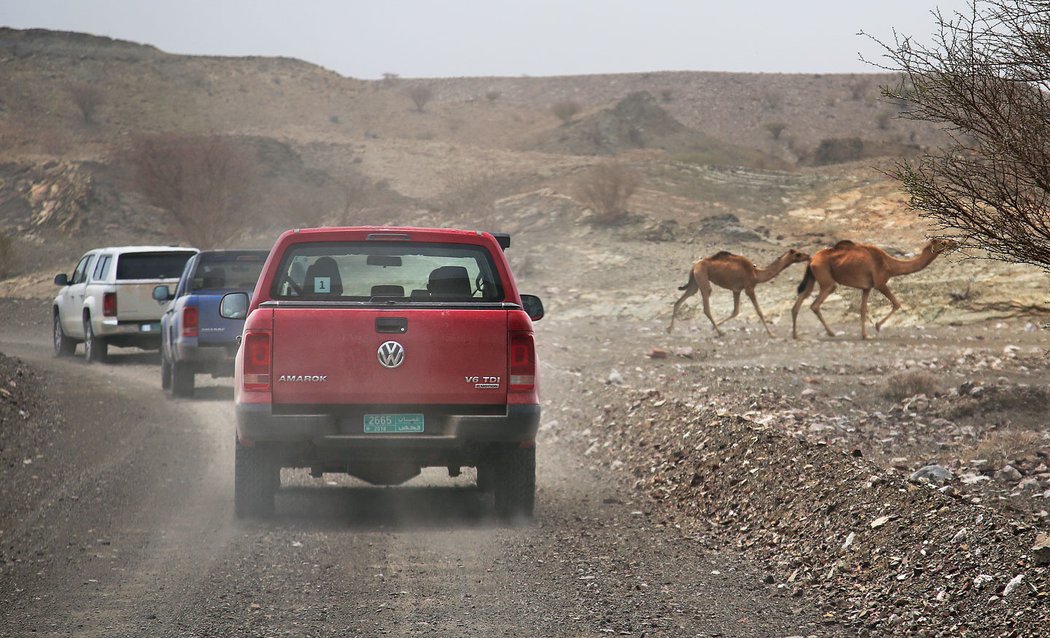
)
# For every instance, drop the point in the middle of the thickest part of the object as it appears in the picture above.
(257, 423)
(216, 359)
(134, 334)
(112, 327)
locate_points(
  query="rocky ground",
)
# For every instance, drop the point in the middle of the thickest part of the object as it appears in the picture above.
(128, 530)
(903, 482)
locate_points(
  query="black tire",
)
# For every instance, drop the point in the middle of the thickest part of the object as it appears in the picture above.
(64, 346)
(256, 477)
(515, 482)
(181, 380)
(165, 372)
(95, 349)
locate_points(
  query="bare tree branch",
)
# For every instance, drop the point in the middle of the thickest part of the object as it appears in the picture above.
(986, 79)
(203, 181)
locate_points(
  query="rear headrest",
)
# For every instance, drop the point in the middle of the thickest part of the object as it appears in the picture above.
(214, 278)
(388, 290)
(322, 278)
(449, 282)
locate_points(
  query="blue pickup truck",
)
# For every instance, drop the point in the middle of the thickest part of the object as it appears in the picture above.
(194, 338)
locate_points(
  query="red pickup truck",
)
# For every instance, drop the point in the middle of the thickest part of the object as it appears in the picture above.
(378, 351)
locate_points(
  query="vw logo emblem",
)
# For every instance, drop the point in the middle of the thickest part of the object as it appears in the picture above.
(391, 354)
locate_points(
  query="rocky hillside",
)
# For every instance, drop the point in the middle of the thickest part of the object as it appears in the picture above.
(747, 163)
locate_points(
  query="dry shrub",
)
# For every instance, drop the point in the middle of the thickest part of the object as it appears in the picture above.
(605, 190)
(565, 110)
(203, 181)
(1006, 446)
(87, 98)
(420, 94)
(775, 129)
(908, 384)
(838, 150)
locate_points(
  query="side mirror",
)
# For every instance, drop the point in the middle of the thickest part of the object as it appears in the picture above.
(234, 305)
(61, 280)
(533, 306)
(162, 294)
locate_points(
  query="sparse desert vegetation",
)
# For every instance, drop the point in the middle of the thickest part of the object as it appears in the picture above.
(606, 190)
(565, 110)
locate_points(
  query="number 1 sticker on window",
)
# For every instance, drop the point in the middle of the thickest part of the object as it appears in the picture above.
(322, 284)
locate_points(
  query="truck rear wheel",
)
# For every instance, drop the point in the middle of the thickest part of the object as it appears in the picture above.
(256, 477)
(515, 482)
(64, 346)
(165, 372)
(95, 349)
(181, 380)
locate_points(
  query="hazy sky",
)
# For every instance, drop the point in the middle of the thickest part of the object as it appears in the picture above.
(432, 38)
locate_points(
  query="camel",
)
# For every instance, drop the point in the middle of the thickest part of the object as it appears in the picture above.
(859, 266)
(735, 273)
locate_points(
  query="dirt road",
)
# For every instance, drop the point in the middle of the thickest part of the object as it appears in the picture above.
(122, 525)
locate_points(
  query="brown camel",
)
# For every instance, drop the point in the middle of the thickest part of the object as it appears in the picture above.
(735, 273)
(859, 266)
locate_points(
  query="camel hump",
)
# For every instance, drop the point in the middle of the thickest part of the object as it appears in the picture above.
(845, 243)
(722, 254)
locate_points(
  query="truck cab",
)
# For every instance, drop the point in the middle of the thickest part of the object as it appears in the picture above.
(194, 338)
(108, 299)
(379, 351)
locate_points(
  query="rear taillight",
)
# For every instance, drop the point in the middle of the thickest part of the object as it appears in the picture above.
(109, 304)
(257, 362)
(522, 362)
(190, 321)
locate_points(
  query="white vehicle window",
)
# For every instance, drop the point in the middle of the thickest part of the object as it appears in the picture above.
(160, 265)
(80, 274)
(102, 268)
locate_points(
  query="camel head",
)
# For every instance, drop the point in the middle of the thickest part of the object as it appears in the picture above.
(793, 256)
(940, 246)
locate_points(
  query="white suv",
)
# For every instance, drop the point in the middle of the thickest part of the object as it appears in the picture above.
(109, 298)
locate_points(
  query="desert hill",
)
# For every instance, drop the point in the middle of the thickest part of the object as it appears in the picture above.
(747, 162)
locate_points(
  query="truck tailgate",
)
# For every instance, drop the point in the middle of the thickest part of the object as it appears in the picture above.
(330, 356)
(135, 299)
(214, 330)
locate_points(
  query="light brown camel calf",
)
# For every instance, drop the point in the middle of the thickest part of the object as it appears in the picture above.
(735, 273)
(859, 266)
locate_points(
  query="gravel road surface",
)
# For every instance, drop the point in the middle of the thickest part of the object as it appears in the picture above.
(121, 524)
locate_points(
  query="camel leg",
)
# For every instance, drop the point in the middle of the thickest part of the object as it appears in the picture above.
(705, 293)
(815, 307)
(689, 292)
(885, 290)
(798, 304)
(864, 313)
(754, 302)
(736, 307)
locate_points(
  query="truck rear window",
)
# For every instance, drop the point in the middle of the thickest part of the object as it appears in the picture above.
(228, 271)
(363, 271)
(152, 265)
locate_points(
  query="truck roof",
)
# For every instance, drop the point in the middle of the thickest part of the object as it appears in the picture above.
(146, 249)
(389, 233)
